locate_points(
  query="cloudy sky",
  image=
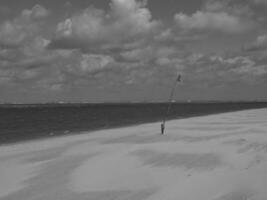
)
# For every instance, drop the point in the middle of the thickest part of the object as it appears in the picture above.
(132, 50)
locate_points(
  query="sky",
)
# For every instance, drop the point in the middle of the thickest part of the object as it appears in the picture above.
(132, 50)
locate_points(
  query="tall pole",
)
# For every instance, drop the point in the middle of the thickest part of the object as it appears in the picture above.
(178, 79)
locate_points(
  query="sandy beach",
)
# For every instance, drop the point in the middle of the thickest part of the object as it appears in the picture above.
(215, 157)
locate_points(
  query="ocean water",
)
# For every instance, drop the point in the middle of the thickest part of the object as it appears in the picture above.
(26, 122)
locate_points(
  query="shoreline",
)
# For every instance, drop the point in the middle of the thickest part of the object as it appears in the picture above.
(66, 133)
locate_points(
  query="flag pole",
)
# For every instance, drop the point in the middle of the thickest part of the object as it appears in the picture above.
(178, 79)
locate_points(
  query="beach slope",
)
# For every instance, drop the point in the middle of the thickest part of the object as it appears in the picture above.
(215, 157)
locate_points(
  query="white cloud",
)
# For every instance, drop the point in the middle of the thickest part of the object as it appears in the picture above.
(262, 39)
(24, 27)
(11, 34)
(259, 44)
(121, 46)
(240, 9)
(228, 16)
(247, 66)
(126, 20)
(218, 21)
(261, 2)
(143, 54)
(37, 12)
(222, 71)
(149, 53)
(94, 63)
(22, 47)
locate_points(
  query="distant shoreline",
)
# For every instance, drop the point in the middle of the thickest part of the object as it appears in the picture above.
(56, 104)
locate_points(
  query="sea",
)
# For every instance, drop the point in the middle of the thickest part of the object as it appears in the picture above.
(20, 123)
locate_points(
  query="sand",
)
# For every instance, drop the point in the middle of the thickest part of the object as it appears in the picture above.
(216, 157)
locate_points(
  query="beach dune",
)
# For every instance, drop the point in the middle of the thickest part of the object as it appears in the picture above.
(215, 157)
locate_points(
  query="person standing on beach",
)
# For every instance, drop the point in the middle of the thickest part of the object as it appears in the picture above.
(162, 128)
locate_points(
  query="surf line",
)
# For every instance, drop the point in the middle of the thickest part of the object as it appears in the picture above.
(162, 126)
